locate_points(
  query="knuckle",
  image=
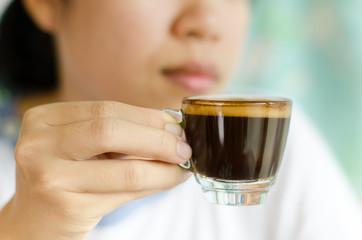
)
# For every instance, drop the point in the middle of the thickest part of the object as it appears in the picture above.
(25, 150)
(102, 130)
(101, 109)
(36, 170)
(165, 140)
(132, 176)
(33, 114)
(45, 182)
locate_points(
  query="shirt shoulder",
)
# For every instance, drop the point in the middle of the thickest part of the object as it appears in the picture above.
(9, 129)
(7, 172)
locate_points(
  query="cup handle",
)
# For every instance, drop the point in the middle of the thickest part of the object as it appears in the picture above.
(179, 116)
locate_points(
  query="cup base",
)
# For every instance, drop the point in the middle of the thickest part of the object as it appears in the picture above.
(235, 193)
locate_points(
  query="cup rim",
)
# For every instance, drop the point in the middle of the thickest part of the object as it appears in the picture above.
(235, 99)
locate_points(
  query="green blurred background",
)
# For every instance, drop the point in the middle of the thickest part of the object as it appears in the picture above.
(310, 51)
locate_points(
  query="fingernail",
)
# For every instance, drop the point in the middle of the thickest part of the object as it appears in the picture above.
(174, 129)
(183, 151)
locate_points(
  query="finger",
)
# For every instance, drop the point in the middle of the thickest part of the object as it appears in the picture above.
(83, 140)
(69, 112)
(113, 176)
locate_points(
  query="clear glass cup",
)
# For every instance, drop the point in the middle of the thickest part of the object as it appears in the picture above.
(237, 144)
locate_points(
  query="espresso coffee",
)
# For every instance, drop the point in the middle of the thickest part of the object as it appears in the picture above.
(245, 142)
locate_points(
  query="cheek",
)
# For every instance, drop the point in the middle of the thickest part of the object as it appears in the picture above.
(99, 46)
(235, 23)
(235, 30)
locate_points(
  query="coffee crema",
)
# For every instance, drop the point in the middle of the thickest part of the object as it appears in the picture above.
(233, 107)
(233, 140)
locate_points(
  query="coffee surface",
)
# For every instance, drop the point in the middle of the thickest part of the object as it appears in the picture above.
(238, 107)
(236, 147)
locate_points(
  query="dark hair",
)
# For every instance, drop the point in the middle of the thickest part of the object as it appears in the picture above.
(27, 55)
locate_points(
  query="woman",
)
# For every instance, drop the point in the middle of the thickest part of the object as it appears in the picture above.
(82, 157)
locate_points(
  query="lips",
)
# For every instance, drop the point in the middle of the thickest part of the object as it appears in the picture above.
(196, 78)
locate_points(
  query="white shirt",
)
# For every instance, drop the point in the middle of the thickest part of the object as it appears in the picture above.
(311, 200)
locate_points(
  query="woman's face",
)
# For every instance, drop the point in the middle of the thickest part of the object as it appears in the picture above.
(149, 53)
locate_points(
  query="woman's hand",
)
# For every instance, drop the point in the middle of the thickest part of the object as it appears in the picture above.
(78, 161)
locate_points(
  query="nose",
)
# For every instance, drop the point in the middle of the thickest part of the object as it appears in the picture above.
(198, 20)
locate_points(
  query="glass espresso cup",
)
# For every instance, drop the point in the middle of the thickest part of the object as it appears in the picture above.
(237, 145)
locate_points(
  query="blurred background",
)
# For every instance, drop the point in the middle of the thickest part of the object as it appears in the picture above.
(310, 51)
